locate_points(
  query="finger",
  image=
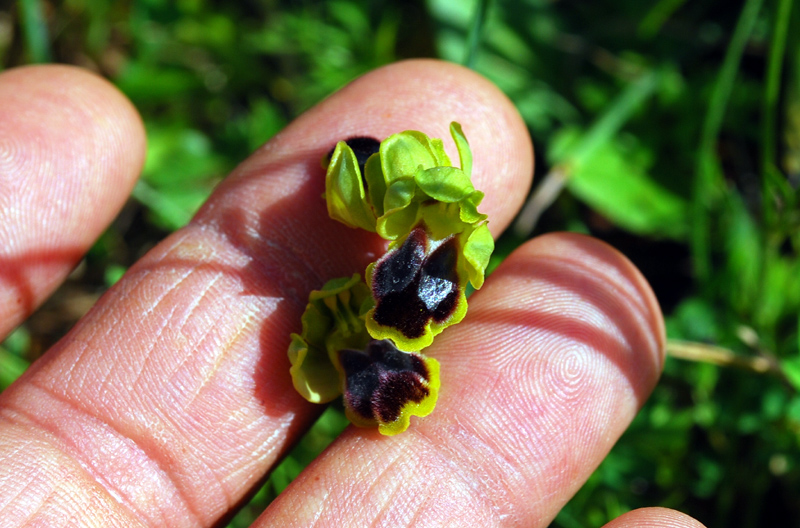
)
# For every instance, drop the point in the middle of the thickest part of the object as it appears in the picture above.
(179, 376)
(71, 147)
(654, 518)
(557, 353)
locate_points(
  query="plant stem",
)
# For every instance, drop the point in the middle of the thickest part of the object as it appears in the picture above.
(704, 353)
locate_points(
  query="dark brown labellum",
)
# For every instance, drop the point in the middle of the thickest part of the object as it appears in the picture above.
(381, 380)
(412, 287)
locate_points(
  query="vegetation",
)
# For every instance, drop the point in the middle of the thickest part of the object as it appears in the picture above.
(669, 128)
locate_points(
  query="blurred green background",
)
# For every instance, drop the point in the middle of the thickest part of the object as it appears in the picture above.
(669, 128)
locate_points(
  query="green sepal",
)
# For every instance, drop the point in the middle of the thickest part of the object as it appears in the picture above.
(468, 208)
(344, 190)
(400, 209)
(333, 320)
(313, 374)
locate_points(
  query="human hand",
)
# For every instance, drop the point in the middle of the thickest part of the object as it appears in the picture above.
(172, 398)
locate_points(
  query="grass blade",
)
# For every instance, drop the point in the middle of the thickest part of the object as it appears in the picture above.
(475, 33)
(708, 179)
(777, 53)
(34, 27)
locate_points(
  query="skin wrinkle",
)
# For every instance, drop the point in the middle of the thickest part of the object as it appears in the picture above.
(385, 497)
(251, 470)
(180, 475)
(149, 446)
(256, 274)
(267, 239)
(632, 284)
(36, 511)
(558, 422)
(127, 440)
(220, 357)
(355, 497)
(200, 340)
(63, 444)
(517, 443)
(452, 458)
(20, 492)
(201, 345)
(634, 338)
(153, 345)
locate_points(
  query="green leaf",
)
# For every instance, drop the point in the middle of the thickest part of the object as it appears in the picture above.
(743, 245)
(614, 182)
(791, 369)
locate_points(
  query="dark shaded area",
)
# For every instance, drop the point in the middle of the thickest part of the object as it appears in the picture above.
(381, 380)
(363, 148)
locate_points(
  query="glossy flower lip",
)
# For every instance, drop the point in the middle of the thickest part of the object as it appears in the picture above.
(385, 386)
(417, 290)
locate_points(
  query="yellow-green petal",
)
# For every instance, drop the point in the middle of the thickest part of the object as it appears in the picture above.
(333, 319)
(446, 184)
(477, 250)
(462, 145)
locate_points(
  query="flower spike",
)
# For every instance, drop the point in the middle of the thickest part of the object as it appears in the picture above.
(363, 340)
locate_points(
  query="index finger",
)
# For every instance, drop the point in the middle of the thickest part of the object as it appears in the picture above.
(172, 397)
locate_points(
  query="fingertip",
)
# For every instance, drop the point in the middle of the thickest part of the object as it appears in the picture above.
(71, 148)
(607, 279)
(654, 518)
(66, 106)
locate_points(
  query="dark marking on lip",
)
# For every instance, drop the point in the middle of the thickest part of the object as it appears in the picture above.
(381, 380)
(411, 288)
